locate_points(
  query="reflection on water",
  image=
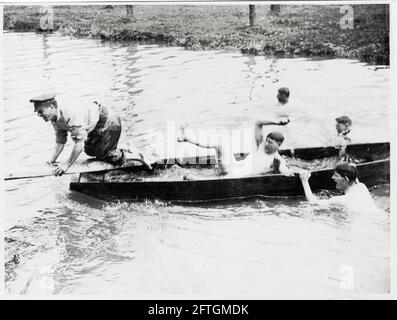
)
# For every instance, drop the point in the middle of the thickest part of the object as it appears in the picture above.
(62, 242)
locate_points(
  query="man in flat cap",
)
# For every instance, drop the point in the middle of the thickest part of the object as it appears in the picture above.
(93, 128)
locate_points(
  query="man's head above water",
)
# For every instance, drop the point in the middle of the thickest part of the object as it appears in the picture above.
(345, 175)
(283, 95)
(343, 124)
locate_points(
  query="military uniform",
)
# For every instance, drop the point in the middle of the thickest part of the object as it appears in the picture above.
(94, 124)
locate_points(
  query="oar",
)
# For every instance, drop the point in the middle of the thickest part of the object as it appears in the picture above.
(107, 167)
(11, 176)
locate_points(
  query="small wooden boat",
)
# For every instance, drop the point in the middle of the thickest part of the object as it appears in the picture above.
(136, 184)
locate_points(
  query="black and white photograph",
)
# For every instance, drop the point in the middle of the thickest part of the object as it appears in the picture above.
(211, 150)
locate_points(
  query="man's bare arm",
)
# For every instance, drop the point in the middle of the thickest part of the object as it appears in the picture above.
(261, 123)
(77, 149)
(57, 151)
(304, 177)
(259, 126)
(334, 201)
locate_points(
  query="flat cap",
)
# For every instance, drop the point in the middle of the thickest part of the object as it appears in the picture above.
(43, 97)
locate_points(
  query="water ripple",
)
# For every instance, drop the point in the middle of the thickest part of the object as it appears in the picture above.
(60, 242)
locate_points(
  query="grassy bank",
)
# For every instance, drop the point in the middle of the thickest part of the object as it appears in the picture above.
(296, 30)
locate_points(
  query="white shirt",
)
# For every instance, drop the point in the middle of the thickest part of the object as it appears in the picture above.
(78, 120)
(256, 163)
(356, 198)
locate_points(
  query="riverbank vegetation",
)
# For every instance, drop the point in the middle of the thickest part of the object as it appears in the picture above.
(298, 30)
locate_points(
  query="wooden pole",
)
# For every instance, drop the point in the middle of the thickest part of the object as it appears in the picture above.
(252, 15)
(130, 11)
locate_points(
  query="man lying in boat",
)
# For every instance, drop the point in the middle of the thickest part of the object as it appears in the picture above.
(356, 195)
(265, 159)
(93, 128)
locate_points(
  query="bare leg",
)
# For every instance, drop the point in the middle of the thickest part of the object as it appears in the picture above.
(220, 154)
(140, 158)
(132, 153)
(182, 137)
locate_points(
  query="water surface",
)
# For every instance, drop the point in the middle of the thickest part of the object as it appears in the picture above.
(60, 242)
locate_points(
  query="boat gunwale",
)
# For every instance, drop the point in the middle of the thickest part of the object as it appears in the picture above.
(226, 179)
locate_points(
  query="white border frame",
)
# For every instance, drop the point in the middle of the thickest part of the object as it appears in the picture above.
(393, 122)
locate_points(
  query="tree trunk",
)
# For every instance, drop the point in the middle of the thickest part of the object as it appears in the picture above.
(274, 8)
(252, 15)
(386, 15)
(130, 11)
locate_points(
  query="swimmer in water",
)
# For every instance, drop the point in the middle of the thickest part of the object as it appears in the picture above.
(356, 195)
(343, 128)
(282, 116)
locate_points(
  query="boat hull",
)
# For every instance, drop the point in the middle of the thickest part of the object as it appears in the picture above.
(373, 172)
